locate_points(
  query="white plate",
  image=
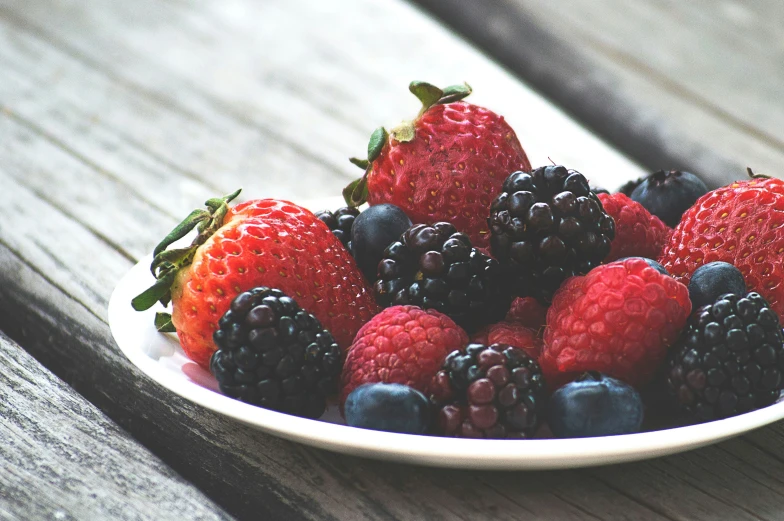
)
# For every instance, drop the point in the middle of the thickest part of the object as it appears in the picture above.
(160, 357)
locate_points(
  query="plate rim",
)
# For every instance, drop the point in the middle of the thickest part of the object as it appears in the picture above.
(530, 454)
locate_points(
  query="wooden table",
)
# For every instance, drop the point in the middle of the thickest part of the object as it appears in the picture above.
(119, 117)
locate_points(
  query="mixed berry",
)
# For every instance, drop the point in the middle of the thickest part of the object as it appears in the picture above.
(480, 297)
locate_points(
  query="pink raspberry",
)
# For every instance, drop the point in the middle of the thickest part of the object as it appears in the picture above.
(402, 344)
(511, 334)
(619, 319)
(637, 232)
(528, 312)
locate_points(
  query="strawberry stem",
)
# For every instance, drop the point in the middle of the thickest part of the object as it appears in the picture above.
(166, 263)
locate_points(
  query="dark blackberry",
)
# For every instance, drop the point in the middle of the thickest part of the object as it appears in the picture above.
(546, 226)
(729, 359)
(435, 267)
(273, 354)
(490, 392)
(340, 222)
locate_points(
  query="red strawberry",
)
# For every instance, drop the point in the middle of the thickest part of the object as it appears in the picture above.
(402, 344)
(742, 224)
(511, 334)
(619, 319)
(528, 312)
(263, 242)
(448, 164)
(637, 232)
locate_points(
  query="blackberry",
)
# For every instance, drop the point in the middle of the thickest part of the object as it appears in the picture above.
(490, 392)
(729, 359)
(340, 222)
(435, 267)
(546, 226)
(273, 354)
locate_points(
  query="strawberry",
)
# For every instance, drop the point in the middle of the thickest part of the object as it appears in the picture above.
(742, 224)
(448, 164)
(637, 232)
(263, 242)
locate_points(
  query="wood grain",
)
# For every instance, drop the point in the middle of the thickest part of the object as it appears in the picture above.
(694, 85)
(119, 117)
(63, 459)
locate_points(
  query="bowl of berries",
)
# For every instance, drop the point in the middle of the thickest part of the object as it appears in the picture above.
(478, 312)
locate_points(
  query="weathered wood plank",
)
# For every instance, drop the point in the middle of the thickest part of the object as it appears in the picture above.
(63, 459)
(693, 85)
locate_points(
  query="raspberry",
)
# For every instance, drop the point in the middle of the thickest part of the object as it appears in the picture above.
(402, 344)
(637, 232)
(618, 320)
(528, 312)
(510, 333)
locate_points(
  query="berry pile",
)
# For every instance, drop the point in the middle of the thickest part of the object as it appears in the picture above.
(590, 309)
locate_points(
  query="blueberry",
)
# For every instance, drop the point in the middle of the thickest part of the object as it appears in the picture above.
(595, 405)
(373, 230)
(388, 407)
(668, 194)
(652, 263)
(710, 281)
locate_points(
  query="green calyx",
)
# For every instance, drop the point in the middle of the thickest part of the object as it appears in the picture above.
(356, 192)
(166, 263)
